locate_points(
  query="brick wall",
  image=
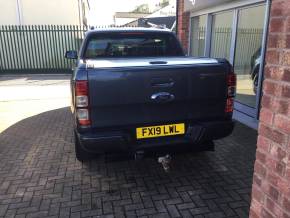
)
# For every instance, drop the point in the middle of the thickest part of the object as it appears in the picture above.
(183, 25)
(271, 183)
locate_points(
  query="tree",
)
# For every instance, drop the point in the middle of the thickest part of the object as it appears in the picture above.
(164, 3)
(144, 8)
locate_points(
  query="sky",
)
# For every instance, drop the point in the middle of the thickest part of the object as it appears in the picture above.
(102, 11)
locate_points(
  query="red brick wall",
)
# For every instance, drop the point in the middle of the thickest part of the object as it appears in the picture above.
(183, 25)
(271, 183)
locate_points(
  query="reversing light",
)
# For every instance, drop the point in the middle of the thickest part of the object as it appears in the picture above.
(83, 117)
(231, 91)
(82, 101)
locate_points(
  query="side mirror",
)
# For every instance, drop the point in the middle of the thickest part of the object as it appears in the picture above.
(71, 54)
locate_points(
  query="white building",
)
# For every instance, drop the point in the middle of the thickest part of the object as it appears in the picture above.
(131, 18)
(122, 18)
(43, 12)
(169, 10)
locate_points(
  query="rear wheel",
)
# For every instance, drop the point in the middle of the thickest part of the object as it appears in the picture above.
(81, 154)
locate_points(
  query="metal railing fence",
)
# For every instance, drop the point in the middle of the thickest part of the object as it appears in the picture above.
(249, 40)
(38, 48)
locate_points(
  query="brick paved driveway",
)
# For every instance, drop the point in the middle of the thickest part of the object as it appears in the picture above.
(40, 177)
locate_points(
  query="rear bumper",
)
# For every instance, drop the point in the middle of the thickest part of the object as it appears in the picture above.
(124, 140)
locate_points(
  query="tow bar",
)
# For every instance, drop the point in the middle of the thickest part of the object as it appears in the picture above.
(165, 161)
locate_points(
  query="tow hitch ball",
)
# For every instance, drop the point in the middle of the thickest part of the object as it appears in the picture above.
(165, 161)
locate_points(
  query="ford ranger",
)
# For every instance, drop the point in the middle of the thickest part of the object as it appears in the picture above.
(134, 89)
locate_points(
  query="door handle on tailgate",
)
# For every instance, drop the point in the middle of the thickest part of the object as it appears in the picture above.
(162, 83)
(162, 97)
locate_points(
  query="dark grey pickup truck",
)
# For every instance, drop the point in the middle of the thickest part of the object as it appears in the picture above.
(135, 90)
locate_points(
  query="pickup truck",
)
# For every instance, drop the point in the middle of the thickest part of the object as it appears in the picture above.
(134, 89)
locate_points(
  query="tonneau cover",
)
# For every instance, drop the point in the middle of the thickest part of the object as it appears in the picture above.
(146, 62)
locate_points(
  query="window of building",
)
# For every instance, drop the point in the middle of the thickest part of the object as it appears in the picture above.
(221, 35)
(198, 29)
(248, 53)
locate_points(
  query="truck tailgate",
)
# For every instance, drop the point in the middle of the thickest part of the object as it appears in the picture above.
(125, 95)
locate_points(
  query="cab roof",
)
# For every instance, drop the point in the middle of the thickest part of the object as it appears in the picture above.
(127, 29)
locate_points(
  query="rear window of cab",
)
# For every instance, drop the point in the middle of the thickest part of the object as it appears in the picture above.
(131, 44)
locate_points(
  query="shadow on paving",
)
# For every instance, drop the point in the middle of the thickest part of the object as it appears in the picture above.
(36, 79)
(40, 177)
(27, 77)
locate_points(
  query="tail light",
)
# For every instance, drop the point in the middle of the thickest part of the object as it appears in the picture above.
(229, 105)
(232, 83)
(231, 92)
(82, 102)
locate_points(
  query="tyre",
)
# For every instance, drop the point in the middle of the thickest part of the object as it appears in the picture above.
(81, 154)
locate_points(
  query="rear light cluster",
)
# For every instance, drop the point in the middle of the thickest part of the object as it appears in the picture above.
(231, 86)
(82, 102)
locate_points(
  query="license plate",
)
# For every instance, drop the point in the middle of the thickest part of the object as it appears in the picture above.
(159, 131)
